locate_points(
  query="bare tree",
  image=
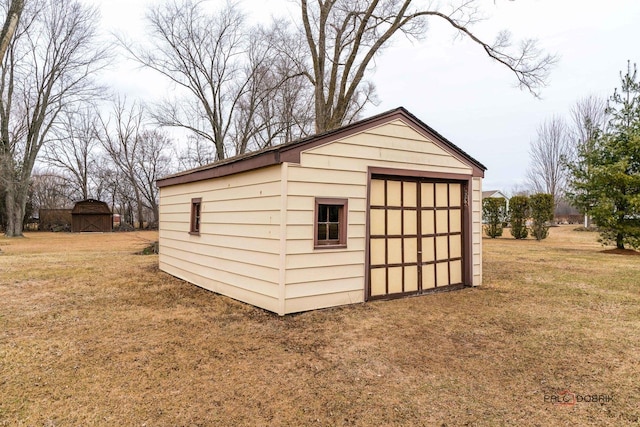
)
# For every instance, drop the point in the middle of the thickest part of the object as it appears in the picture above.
(344, 37)
(10, 25)
(152, 163)
(48, 66)
(589, 120)
(226, 74)
(547, 172)
(73, 148)
(139, 156)
(195, 153)
(50, 190)
(119, 135)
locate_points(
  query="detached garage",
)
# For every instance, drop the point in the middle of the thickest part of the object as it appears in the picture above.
(382, 208)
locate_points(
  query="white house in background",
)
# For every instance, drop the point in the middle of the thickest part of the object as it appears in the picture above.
(497, 194)
(382, 208)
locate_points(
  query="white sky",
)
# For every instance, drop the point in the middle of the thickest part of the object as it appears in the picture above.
(452, 85)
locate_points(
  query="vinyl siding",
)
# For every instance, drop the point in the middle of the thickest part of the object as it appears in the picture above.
(237, 251)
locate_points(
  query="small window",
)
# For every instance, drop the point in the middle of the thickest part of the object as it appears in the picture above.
(330, 223)
(195, 216)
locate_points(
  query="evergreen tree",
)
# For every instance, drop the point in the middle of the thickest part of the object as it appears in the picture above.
(494, 211)
(606, 177)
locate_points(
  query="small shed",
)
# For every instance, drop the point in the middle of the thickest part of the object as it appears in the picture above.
(91, 216)
(382, 208)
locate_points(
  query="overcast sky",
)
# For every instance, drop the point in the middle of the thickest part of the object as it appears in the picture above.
(452, 85)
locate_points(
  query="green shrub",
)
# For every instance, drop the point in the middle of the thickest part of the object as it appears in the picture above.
(518, 214)
(541, 205)
(494, 211)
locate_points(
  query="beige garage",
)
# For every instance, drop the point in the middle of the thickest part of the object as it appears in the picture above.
(378, 209)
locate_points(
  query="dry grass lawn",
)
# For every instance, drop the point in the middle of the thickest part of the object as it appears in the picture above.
(92, 334)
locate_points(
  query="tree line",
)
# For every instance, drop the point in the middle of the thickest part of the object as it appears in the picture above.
(593, 161)
(237, 87)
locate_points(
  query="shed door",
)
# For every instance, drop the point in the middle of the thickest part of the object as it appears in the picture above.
(415, 235)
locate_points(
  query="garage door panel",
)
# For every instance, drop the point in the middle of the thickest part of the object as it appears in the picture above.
(428, 276)
(411, 278)
(442, 247)
(456, 272)
(455, 221)
(410, 194)
(455, 195)
(428, 249)
(410, 250)
(394, 194)
(427, 195)
(442, 195)
(442, 274)
(410, 218)
(394, 251)
(442, 221)
(394, 222)
(395, 280)
(377, 251)
(377, 191)
(377, 222)
(455, 246)
(378, 278)
(428, 222)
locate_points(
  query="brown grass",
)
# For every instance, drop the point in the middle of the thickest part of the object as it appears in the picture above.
(91, 334)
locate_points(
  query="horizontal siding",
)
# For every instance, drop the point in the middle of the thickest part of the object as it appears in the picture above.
(298, 276)
(204, 280)
(253, 277)
(317, 278)
(313, 302)
(237, 251)
(322, 161)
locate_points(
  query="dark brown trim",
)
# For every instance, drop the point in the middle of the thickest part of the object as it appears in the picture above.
(196, 216)
(290, 152)
(343, 221)
(403, 173)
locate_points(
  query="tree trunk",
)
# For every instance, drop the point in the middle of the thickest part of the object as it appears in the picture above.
(15, 201)
(620, 241)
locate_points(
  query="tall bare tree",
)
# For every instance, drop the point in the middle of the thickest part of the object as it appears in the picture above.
(48, 66)
(548, 153)
(588, 121)
(138, 154)
(10, 25)
(152, 163)
(344, 37)
(222, 70)
(119, 134)
(72, 149)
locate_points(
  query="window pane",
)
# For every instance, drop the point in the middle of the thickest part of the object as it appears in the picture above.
(322, 231)
(322, 213)
(333, 232)
(334, 212)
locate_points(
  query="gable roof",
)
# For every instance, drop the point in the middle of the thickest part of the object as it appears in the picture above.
(290, 152)
(493, 193)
